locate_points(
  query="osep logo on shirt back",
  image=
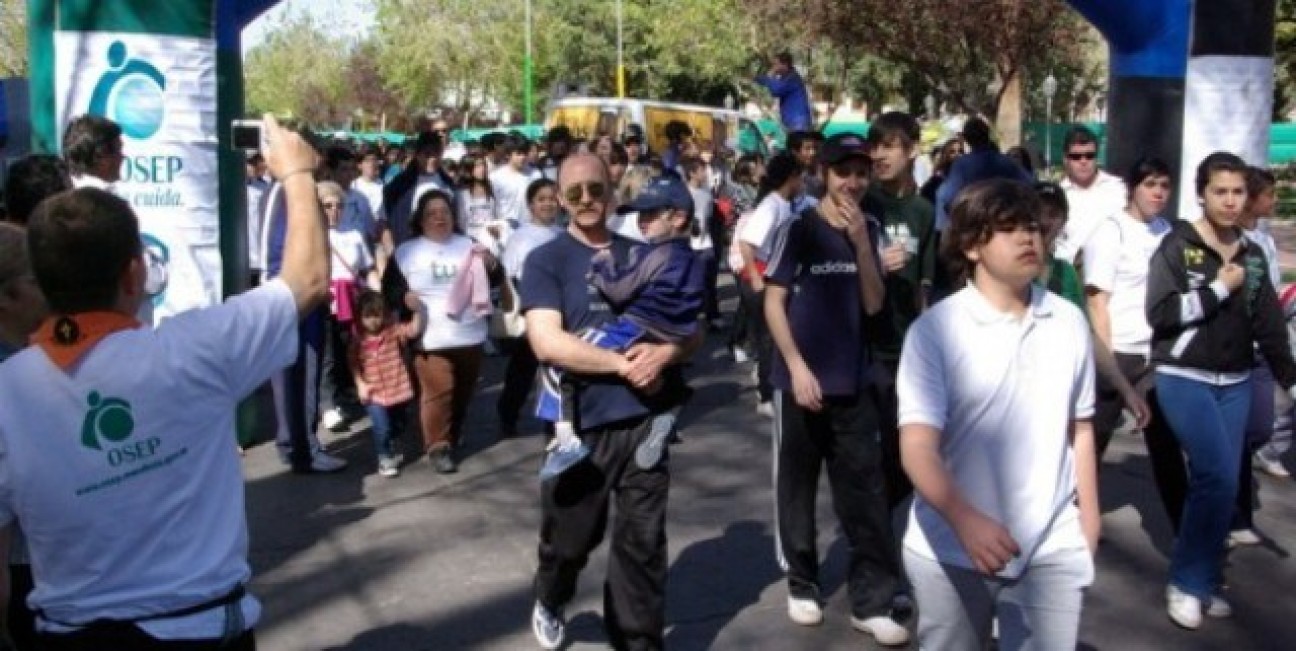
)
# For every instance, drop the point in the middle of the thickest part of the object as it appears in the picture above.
(110, 421)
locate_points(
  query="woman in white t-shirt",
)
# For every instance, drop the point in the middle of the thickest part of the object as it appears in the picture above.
(542, 202)
(478, 215)
(351, 268)
(448, 356)
(1116, 260)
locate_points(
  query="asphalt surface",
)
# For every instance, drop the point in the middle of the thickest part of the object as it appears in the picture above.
(357, 561)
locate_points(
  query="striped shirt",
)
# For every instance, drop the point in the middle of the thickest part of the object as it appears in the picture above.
(378, 358)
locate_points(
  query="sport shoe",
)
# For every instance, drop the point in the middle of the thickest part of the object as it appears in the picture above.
(388, 467)
(804, 611)
(1183, 608)
(740, 356)
(321, 463)
(1271, 467)
(548, 627)
(650, 450)
(334, 419)
(885, 630)
(1219, 608)
(444, 462)
(765, 409)
(1243, 537)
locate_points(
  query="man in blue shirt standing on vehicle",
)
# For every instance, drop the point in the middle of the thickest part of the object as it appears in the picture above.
(785, 84)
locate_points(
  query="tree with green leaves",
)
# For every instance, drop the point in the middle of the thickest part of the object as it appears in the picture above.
(13, 38)
(299, 71)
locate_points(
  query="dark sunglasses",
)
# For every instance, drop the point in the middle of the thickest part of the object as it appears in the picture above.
(575, 192)
(330, 206)
(1082, 155)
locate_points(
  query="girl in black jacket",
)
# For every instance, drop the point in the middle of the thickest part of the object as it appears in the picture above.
(1208, 303)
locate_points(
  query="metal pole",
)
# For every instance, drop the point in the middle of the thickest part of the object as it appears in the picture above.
(1048, 132)
(528, 69)
(621, 90)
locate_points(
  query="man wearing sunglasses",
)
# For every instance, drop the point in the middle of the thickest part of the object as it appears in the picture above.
(1092, 194)
(612, 418)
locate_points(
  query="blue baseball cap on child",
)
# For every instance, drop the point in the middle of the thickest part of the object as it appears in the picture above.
(665, 191)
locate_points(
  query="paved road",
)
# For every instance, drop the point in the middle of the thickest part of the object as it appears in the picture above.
(424, 561)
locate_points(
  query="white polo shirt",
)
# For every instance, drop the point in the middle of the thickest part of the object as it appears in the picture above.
(1086, 209)
(1116, 261)
(1003, 392)
(123, 472)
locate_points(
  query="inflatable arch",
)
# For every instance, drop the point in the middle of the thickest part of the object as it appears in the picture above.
(1187, 78)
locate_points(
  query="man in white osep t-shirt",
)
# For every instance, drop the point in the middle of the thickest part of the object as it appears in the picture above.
(116, 451)
(1092, 194)
(510, 181)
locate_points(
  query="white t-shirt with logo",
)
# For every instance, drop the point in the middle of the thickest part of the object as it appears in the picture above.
(430, 269)
(1086, 209)
(123, 472)
(509, 187)
(1003, 392)
(1116, 261)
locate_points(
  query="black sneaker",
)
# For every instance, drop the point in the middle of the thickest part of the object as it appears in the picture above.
(548, 627)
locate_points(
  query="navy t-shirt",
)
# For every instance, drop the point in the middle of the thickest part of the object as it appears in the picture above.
(816, 262)
(555, 278)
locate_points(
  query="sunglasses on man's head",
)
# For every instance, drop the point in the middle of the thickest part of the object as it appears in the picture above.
(575, 192)
(1082, 155)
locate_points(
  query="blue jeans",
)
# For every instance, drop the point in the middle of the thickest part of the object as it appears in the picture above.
(387, 423)
(1210, 423)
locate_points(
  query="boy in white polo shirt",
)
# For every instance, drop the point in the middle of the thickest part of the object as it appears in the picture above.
(115, 451)
(996, 392)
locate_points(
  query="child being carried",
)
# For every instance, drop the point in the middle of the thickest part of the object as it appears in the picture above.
(657, 295)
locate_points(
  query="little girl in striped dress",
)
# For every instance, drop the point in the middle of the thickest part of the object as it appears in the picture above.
(381, 376)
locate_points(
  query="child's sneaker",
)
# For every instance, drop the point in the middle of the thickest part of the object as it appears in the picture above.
(388, 466)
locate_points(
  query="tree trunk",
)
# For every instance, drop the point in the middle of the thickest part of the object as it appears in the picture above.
(1008, 120)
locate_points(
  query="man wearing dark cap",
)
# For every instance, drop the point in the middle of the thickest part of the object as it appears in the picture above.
(823, 280)
(613, 415)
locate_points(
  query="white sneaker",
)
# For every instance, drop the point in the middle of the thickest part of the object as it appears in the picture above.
(1243, 537)
(805, 612)
(548, 627)
(388, 467)
(1219, 608)
(885, 630)
(332, 419)
(1271, 467)
(765, 409)
(1184, 609)
(740, 356)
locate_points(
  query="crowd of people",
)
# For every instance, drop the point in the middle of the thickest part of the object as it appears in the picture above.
(962, 343)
